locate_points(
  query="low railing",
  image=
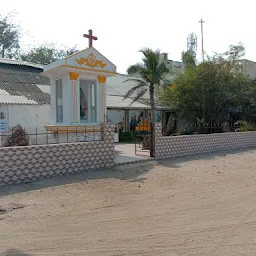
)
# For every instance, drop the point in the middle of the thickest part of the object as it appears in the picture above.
(190, 129)
(55, 135)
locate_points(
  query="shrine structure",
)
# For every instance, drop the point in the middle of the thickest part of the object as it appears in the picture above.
(78, 99)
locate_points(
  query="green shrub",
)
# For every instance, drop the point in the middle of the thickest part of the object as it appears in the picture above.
(245, 127)
(126, 137)
(17, 137)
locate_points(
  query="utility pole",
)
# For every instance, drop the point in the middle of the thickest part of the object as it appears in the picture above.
(202, 36)
(203, 100)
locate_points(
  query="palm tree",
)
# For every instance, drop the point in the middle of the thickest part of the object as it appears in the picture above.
(148, 74)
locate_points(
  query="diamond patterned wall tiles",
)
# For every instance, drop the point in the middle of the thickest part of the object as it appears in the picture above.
(24, 164)
(175, 146)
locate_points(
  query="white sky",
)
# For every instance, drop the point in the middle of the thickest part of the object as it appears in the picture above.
(124, 27)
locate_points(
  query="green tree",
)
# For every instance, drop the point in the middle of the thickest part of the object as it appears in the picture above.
(245, 99)
(148, 75)
(235, 52)
(188, 59)
(9, 37)
(209, 91)
(46, 54)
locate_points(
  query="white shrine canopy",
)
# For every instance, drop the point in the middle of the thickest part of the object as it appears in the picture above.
(88, 60)
(78, 88)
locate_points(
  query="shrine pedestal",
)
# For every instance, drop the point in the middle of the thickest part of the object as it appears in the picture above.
(72, 129)
(69, 134)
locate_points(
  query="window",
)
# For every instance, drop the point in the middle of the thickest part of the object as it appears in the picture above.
(59, 101)
(88, 101)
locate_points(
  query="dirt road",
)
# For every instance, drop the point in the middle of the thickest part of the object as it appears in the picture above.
(193, 206)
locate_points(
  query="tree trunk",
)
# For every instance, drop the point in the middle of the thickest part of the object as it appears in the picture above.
(153, 120)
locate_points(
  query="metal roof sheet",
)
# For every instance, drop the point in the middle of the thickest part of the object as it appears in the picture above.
(44, 88)
(12, 99)
(23, 85)
(120, 85)
(119, 102)
(20, 62)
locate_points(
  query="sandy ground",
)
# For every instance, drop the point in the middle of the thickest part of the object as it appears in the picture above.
(204, 205)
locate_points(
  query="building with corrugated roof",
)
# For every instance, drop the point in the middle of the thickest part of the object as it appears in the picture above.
(123, 111)
(25, 99)
(24, 96)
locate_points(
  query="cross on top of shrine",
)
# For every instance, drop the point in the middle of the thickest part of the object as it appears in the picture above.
(90, 37)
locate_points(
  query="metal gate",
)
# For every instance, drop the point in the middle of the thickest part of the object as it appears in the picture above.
(142, 138)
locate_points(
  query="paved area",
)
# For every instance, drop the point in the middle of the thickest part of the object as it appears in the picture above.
(125, 153)
(193, 206)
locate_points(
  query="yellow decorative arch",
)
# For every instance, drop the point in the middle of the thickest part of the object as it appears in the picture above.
(91, 61)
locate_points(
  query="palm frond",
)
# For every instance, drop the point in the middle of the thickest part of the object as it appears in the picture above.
(135, 69)
(160, 72)
(149, 52)
(138, 96)
(151, 72)
(134, 90)
(151, 58)
(136, 79)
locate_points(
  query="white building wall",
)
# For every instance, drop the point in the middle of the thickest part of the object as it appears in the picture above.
(115, 116)
(248, 68)
(30, 116)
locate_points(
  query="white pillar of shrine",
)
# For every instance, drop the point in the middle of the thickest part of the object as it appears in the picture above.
(74, 89)
(102, 82)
